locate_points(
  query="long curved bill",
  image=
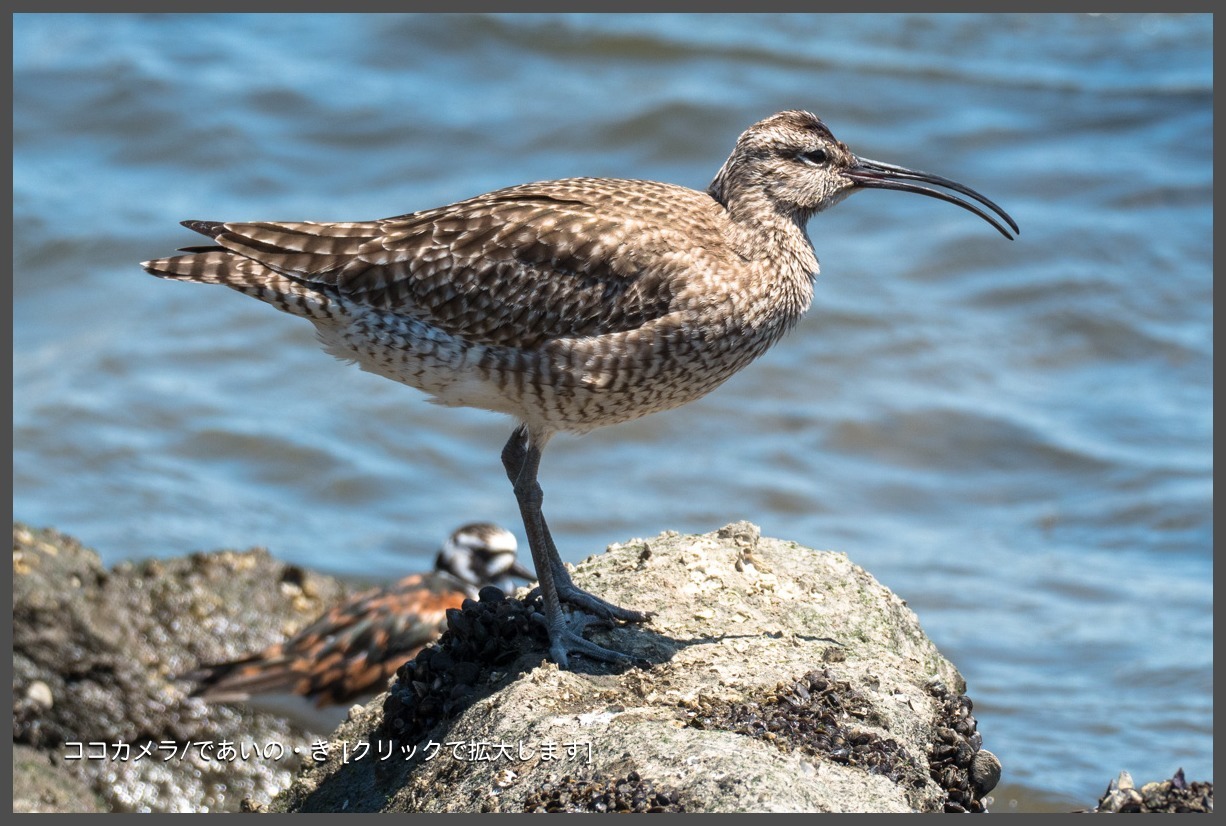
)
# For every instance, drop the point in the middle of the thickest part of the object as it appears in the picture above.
(878, 175)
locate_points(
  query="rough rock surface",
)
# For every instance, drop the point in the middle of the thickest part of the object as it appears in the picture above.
(772, 678)
(1163, 796)
(94, 657)
(39, 787)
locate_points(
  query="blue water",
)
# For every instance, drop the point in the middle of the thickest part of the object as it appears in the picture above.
(1015, 437)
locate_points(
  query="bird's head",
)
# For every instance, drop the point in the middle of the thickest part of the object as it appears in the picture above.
(792, 164)
(481, 554)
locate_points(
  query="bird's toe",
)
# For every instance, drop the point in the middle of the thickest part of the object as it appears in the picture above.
(598, 607)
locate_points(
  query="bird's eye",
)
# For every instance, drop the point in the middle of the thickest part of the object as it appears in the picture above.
(815, 157)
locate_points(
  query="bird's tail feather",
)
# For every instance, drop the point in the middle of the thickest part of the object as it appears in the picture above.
(238, 681)
(213, 265)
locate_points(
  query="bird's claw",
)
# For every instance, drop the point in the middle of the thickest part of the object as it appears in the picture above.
(588, 603)
(565, 638)
(573, 595)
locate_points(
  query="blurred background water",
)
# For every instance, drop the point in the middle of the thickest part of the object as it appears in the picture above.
(1015, 437)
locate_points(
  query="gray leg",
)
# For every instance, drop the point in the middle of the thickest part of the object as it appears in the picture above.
(572, 594)
(513, 456)
(521, 458)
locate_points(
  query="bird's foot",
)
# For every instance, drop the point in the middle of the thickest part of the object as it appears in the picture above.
(572, 594)
(575, 596)
(565, 638)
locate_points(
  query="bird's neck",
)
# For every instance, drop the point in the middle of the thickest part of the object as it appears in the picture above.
(762, 227)
(776, 244)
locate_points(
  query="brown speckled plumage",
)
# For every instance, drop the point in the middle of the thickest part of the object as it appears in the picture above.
(568, 304)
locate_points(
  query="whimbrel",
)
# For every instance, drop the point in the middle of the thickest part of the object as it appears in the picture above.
(351, 650)
(568, 304)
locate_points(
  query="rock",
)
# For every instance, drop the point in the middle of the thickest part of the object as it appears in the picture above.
(1174, 795)
(772, 678)
(39, 785)
(95, 652)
